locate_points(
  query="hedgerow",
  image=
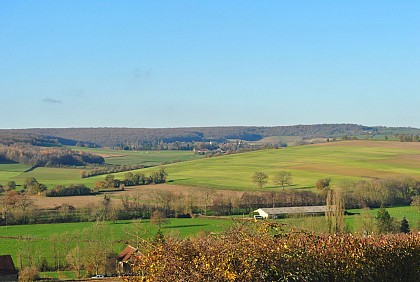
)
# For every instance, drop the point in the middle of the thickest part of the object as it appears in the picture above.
(265, 254)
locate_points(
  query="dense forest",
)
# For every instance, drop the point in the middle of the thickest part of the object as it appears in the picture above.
(147, 138)
(46, 156)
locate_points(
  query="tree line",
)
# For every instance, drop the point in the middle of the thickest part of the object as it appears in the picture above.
(18, 208)
(108, 169)
(371, 193)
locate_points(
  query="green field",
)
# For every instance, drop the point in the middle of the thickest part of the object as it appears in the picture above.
(146, 158)
(411, 213)
(341, 161)
(9, 170)
(39, 234)
(63, 176)
(119, 232)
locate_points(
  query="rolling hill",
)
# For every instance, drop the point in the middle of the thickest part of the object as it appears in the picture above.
(341, 161)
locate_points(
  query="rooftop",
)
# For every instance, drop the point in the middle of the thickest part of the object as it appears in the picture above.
(295, 210)
(6, 265)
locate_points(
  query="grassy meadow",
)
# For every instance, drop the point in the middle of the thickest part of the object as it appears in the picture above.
(146, 158)
(39, 236)
(9, 170)
(63, 176)
(411, 213)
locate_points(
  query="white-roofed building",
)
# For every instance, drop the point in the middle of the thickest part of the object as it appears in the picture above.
(279, 212)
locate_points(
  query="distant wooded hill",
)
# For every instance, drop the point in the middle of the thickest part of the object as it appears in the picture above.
(135, 137)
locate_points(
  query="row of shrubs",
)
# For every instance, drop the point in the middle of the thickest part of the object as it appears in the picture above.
(265, 254)
(108, 169)
(70, 190)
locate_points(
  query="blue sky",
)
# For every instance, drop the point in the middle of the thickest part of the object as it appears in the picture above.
(209, 63)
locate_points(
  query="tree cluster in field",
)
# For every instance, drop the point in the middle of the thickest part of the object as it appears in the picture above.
(17, 208)
(408, 137)
(375, 193)
(47, 156)
(31, 186)
(282, 178)
(109, 169)
(10, 185)
(380, 192)
(132, 179)
(262, 252)
(70, 190)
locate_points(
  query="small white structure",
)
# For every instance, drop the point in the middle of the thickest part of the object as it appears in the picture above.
(275, 212)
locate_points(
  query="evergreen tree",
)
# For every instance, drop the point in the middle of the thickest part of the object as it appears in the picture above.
(384, 221)
(404, 227)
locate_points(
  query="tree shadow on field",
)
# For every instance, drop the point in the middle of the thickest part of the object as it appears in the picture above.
(180, 179)
(182, 226)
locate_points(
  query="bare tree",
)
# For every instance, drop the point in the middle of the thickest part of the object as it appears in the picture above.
(260, 179)
(158, 218)
(283, 178)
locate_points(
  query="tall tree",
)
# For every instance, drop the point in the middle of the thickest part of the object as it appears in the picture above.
(260, 179)
(334, 211)
(158, 218)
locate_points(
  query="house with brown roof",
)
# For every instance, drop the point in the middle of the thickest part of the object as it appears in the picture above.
(8, 272)
(126, 259)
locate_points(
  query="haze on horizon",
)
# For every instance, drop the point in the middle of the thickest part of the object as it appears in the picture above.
(149, 64)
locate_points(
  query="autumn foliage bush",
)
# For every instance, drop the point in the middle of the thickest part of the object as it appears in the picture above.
(263, 253)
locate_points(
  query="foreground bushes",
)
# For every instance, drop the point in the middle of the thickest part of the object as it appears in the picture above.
(248, 254)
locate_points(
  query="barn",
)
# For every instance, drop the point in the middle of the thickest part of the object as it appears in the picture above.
(281, 212)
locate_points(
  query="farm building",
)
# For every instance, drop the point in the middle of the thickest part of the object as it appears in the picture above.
(8, 272)
(125, 259)
(279, 212)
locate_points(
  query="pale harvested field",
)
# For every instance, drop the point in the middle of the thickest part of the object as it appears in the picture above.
(145, 192)
(375, 144)
(338, 169)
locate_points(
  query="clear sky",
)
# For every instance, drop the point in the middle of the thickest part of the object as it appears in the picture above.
(208, 63)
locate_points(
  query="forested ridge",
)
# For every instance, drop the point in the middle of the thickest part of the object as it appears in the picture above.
(116, 136)
(136, 137)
